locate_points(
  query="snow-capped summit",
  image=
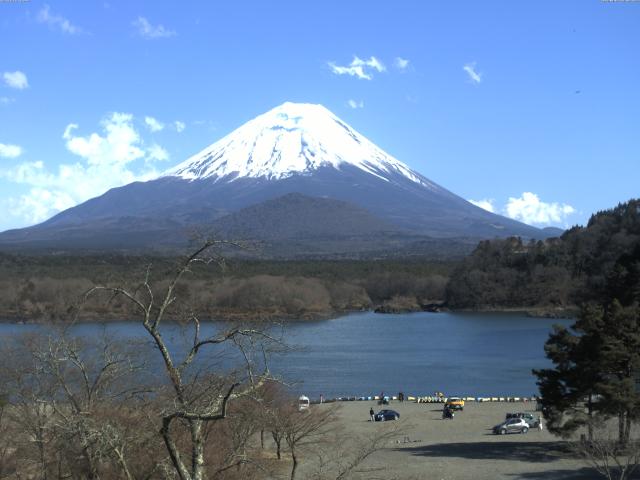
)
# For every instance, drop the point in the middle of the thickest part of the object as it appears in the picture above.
(294, 176)
(294, 138)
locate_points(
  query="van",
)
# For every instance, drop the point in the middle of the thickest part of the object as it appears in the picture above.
(303, 403)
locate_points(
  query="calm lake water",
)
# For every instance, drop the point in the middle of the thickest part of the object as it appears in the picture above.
(470, 354)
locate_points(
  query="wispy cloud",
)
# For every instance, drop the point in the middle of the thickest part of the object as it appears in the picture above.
(485, 203)
(146, 30)
(180, 126)
(528, 208)
(6, 100)
(362, 69)
(401, 63)
(10, 151)
(354, 104)
(113, 157)
(474, 75)
(57, 21)
(16, 80)
(153, 124)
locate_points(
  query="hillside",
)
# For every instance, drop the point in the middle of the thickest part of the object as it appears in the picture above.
(587, 263)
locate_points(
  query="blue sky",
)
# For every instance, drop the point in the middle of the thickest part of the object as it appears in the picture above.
(532, 108)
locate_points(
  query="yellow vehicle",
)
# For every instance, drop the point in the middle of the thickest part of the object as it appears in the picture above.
(454, 403)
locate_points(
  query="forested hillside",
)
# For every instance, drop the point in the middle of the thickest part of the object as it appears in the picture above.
(601, 260)
(584, 264)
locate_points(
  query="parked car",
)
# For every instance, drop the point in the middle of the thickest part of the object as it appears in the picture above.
(303, 403)
(383, 415)
(513, 425)
(530, 418)
(455, 403)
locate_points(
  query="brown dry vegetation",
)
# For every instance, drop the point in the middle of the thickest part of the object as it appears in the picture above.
(48, 289)
(78, 409)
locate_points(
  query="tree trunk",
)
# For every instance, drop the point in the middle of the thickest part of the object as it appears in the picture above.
(42, 453)
(627, 432)
(197, 450)
(590, 413)
(92, 467)
(621, 428)
(174, 454)
(294, 465)
(277, 441)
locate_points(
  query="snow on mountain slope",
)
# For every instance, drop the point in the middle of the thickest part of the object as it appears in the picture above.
(235, 184)
(294, 138)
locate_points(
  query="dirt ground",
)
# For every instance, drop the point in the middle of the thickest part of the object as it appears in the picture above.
(463, 448)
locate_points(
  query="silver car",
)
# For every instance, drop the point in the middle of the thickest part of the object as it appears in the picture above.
(513, 425)
(530, 418)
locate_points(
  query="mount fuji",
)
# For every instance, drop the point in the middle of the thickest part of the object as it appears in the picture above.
(295, 172)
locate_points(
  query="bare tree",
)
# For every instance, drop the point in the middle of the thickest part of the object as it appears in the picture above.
(7, 455)
(271, 414)
(30, 405)
(345, 456)
(305, 429)
(66, 396)
(88, 380)
(611, 458)
(193, 398)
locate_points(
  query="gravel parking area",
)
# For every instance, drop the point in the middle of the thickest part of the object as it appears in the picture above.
(463, 448)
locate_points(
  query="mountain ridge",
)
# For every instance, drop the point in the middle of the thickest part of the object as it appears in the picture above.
(268, 158)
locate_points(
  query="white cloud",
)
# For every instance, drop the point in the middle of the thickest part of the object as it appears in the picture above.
(362, 69)
(156, 152)
(180, 126)
(486, 204)
(153, 124)
(40, 204)
(121, 145)
(16, 79)
(113, 157)
(6, 100)
(401, 63)
(353, 104)
(146, 30)
(57, 21)
(10, 151)
(530, 209)
(474, 75)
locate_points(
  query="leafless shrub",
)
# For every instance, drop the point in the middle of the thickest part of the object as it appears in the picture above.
(605, 453)
(345, 457)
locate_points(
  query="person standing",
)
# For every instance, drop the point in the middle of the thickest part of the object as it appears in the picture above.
(372, 415)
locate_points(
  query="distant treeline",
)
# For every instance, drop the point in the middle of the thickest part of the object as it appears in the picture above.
(50, 287)
(601, 260)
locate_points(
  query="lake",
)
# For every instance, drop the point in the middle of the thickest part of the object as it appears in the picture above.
(361, 354)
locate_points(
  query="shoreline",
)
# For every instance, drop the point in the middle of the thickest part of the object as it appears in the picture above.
(532, 312)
